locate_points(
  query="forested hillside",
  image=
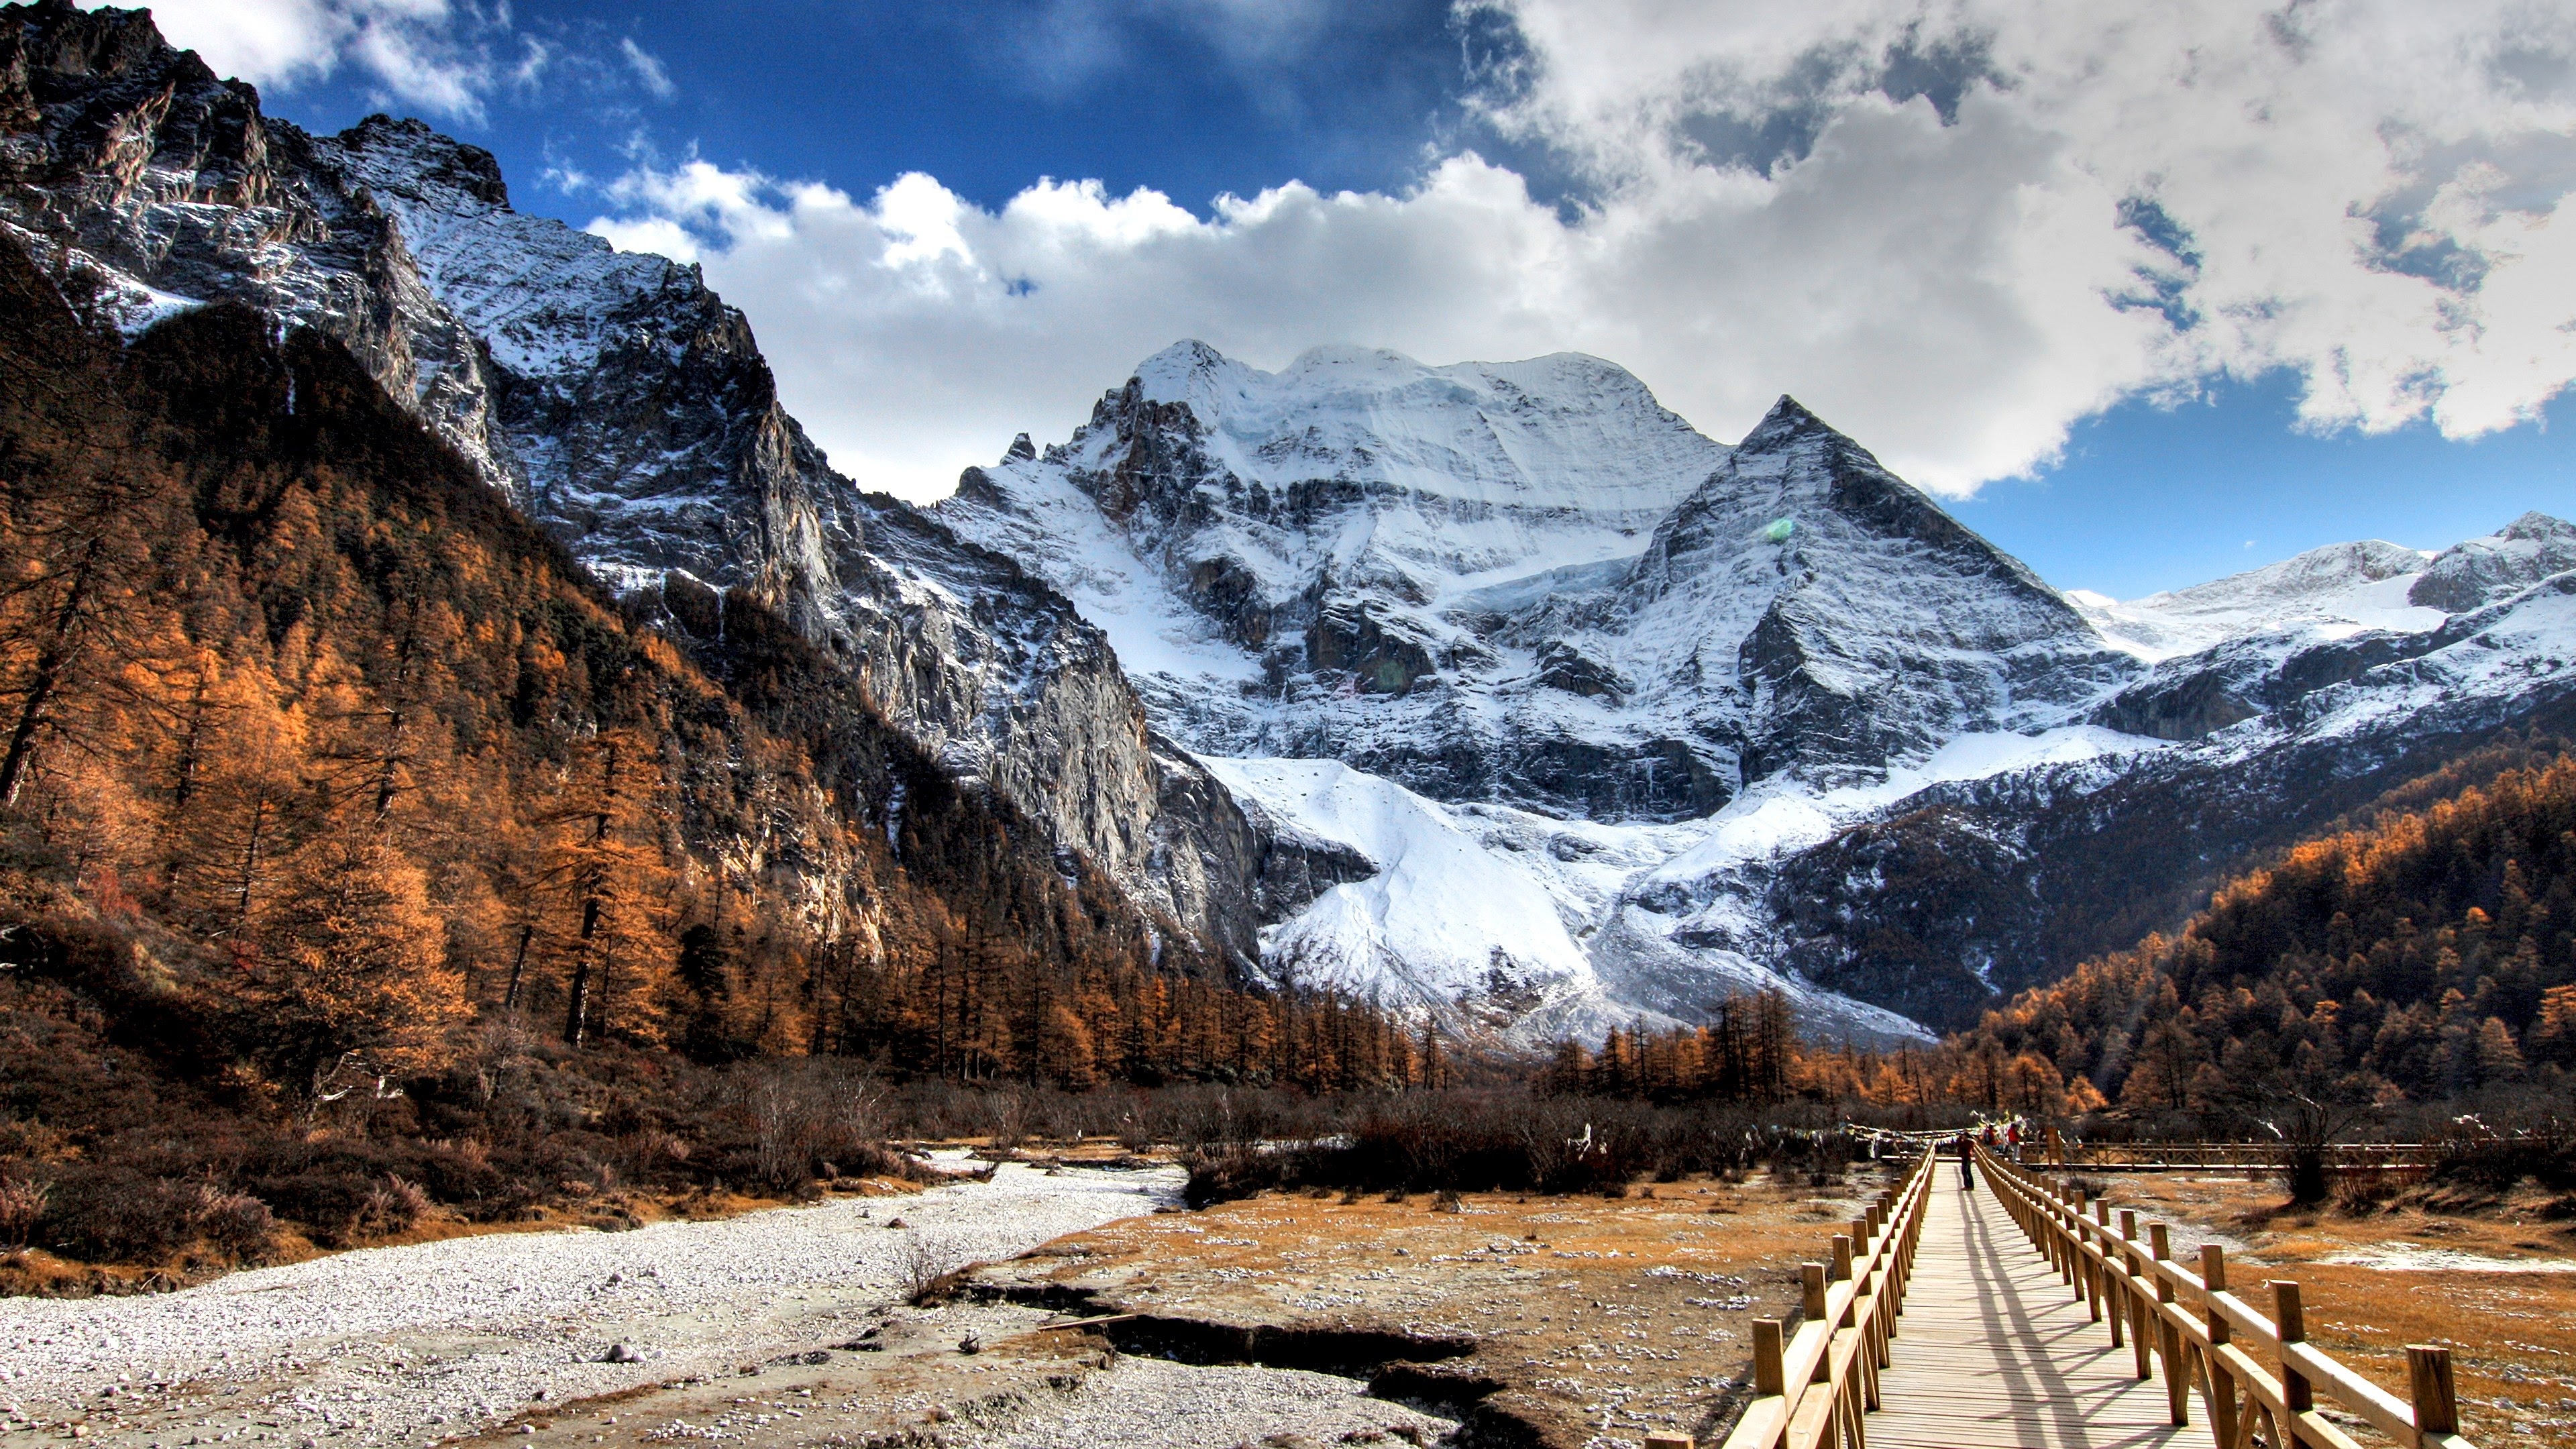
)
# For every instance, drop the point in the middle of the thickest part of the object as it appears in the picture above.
(2423, 956)
(326, 775)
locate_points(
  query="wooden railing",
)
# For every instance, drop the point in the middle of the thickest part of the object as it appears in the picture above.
(2253, 1373)
(2256, 1157)
(1811, 1387)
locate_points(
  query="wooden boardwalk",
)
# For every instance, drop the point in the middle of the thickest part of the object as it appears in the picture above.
(1995, 1351)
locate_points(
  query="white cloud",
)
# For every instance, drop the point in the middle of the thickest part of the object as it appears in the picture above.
(423, 53)
(648, 69)
(2118, 200)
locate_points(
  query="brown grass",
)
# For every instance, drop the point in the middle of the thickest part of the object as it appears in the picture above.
(1595, 1315)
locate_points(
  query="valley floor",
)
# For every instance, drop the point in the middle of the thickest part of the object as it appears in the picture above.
(1283, 1320)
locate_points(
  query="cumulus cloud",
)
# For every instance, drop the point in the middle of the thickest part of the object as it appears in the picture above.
(1955, 227)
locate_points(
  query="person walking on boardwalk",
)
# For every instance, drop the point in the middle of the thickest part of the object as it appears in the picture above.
(1967, 1146)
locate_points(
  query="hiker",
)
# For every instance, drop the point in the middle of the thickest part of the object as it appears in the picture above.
(1967, 1163)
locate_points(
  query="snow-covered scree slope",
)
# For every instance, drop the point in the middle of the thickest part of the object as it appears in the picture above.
(613, 396)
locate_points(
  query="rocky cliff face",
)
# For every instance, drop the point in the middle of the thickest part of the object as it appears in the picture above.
(612, 395)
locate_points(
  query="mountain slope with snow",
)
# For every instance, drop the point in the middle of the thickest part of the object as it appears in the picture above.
(1592, 762)
(2333, 592)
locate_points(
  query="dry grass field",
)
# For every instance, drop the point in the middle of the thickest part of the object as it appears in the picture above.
(1570, 1318)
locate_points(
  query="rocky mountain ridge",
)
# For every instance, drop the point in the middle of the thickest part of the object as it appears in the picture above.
(1523, 582)
(612, 396)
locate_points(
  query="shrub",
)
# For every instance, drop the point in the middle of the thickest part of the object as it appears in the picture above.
(234, 1224)
(113, 1213)
(22, 1205)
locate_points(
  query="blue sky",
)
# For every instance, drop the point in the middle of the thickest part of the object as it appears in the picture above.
(1858, 228)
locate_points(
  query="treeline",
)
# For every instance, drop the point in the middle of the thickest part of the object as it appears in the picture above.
(1750, 1054)
(2428, 956)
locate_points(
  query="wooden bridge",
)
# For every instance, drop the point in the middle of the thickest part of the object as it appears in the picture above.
(2020, 1316)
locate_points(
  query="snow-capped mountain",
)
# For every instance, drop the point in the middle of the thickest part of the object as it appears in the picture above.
(2329, 592)
(1511, 632)
(1494, 689)
(1525, 583)
(2480, 571)
(1597, 757)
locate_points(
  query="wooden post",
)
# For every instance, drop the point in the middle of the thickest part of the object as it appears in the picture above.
(2292, 1323)
(2118, 1306)
(1840, 1266)
(2141, 1313)
(2083, 1263)
(2222, 1384)
(2169, 1337)
(1770, 1374)
(1662, 1440)
(2437, 1404)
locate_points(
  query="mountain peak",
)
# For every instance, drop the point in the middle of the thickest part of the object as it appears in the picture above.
(1787, 421)
(61, 37)
(2535, 526)
(425, 155)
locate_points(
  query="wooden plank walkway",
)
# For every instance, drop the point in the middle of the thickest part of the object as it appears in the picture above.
(1996, 1352)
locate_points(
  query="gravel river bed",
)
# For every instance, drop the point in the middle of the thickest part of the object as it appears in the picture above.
(436, 1341)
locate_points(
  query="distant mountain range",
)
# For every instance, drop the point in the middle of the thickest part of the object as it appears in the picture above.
(1493, 690)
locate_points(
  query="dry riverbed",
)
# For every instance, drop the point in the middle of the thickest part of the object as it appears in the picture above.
(1560, 1321)
(408, 1345)
(1281, 1321)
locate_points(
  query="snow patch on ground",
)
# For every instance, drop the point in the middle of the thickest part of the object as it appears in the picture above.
(2409, 1258)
